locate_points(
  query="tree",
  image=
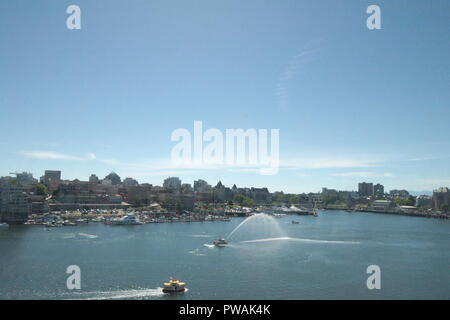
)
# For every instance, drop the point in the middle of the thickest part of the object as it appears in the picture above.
(41, 190)
(248, 202)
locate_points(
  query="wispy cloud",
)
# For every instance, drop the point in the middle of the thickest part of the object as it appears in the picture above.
(50, 155)
(362, 174)
(91, 156)
(293, 67)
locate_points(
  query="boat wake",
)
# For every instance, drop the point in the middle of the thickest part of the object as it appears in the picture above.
(90, 236)
(122, 294)
(300, 240)
(209, 245)
(196, 253)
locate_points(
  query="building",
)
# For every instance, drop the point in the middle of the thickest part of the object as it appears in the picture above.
(382, 204)
(260, 195)
(130, 182)
(172, 183)
(186, 187)
(52, 177)
(201, 186)
(94, 179)
(378, 190)
(424, 201)
(25, 178)
(15, 204)
(365, 189)
(399, 194)
(114, 177)
(441, 198)
(329, 193)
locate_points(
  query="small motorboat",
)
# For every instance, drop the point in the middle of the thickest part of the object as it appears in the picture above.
(174, 286)
(4, 224)
(220, 243)
(295, 222)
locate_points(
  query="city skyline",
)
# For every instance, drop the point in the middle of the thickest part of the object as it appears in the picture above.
(361, 187)
(351, 104)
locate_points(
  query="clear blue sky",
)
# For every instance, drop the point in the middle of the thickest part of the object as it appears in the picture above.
(351, 104)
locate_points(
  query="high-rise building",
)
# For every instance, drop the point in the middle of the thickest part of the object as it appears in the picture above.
(15, 204)
(201, 186)
(365, 189)
(172, 183)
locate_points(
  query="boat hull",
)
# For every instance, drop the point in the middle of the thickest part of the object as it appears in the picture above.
(170, 290)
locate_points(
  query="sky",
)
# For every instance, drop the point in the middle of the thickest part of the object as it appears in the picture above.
(351, 104)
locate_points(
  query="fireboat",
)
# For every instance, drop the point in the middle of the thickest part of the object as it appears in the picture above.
(220, 243)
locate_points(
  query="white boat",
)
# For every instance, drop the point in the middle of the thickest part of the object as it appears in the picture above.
(126, 220)
(4, 224)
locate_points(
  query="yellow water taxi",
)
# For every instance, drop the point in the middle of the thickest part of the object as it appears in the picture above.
(173, 286)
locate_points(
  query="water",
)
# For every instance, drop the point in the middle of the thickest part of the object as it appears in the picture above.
(320, 258)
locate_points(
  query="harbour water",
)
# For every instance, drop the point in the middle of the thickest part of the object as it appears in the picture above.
(322, 257)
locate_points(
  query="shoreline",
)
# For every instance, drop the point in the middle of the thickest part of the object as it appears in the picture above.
(394, 212)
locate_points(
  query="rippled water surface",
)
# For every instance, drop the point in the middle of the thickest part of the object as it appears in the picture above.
(319, 258)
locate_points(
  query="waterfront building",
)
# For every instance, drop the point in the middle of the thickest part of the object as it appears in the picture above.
(260, 195)
(15, 204)
(172, 183)
(365, 189)
(143, 194)
(115, 199)
(314, 198)
(424, 201)
(382, 204)
(441, 198)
